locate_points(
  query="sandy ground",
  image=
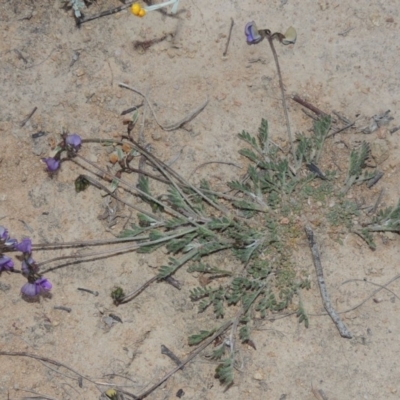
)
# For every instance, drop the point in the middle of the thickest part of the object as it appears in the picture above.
(345, 59)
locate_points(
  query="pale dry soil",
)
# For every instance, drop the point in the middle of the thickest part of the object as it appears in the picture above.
(345, 59)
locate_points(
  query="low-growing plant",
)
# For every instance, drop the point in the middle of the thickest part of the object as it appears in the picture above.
(258, 223)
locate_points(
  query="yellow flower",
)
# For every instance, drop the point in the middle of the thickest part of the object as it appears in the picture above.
(135, 9)
(140, 11)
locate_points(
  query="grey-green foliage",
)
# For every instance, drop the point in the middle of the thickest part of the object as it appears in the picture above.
(261, 278)
(133, 231)
(309, 149)
(209, 296)
(321, 130)
(357, 160)
(261, 144)
(224, 371)
(219, 352)
(366, 235)
(386, 220)
(271, 174)
(342, 213)
(356, 173)
(301, 315)
(271, 179)
(245, 329)
(176, 199)
(207, 269)
(199, 337)
(143, 185)
(174, 264)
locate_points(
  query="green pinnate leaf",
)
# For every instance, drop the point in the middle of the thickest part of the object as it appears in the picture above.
(263, 135)
(224, 371)
(199, 337)
(245, 136)
(249, 154)
(219, 352)
(244, 333)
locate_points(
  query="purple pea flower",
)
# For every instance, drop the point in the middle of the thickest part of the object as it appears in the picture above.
(11, 243)
(25, 246)
(5, 239)
(74, 141)
(6, 264)
(3, 234)
(252, 34)
(40, 286)
(51, 163)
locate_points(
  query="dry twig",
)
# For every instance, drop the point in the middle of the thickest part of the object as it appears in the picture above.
(28, 117)
(229, 38)
(175, 125)
(308, 105)
(344, 332)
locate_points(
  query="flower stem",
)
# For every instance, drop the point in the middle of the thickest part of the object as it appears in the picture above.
(285, 109)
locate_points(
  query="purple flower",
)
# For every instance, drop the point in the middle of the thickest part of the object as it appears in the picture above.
(5, 239)
(74, 141)
(11, 242)
(40, 286)
(6, 264)
(3, 234)
(25, 246)
(52, 164)
(251, 32)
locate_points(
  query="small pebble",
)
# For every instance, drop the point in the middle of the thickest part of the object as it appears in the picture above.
(258, 376)
(156, 135)
(79, 72)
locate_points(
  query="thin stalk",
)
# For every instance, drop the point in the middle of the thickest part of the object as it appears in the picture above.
(183, 260)
(110, 193)
(383, 228)
(163, 167)
(136, 292)
(100, 242)
(285, 109)
(192, 209)
(135, 189)
(189, 358)
(122, 249)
